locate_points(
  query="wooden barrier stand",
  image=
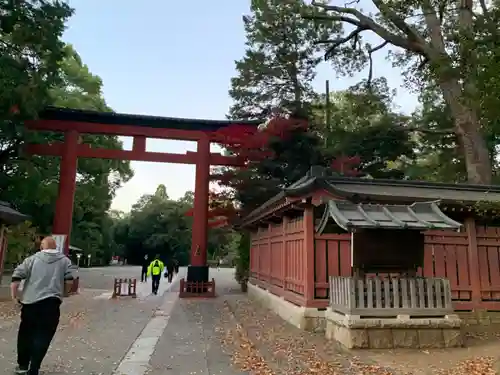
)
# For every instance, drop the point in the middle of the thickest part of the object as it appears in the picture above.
(125, 288)
(197, 289)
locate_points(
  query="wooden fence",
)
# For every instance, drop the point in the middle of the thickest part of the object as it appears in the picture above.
(377, 297)
(470, 260)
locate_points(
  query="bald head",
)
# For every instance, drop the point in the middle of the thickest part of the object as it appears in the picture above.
(48, 243)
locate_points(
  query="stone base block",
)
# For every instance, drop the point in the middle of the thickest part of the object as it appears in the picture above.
(309, 319)
(356, 333)
(480, 317)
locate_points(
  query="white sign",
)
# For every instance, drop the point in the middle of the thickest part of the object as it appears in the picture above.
(60, 241)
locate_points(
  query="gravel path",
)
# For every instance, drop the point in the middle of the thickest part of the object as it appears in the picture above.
(94, 333)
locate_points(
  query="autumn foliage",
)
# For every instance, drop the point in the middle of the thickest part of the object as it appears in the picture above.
(252, 145)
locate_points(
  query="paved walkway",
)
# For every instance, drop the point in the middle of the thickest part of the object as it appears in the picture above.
(151, 334)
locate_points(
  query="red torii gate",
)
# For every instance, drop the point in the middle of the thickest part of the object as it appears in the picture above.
(73, 123)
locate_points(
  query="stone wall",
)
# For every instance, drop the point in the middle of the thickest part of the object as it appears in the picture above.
(403, 332)
(308, 319)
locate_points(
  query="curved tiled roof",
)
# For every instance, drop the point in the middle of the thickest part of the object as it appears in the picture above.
(418, 216)
(10, 216)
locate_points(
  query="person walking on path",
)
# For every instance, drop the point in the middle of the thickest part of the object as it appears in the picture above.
(144, 271)
(170, 271)
(218, 264)
(176, 266)
(155, 269)
(45, 275)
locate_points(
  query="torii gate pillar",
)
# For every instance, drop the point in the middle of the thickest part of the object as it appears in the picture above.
(198, 269)
(63, 215)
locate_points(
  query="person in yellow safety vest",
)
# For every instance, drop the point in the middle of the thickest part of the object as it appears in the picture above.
(155, 269)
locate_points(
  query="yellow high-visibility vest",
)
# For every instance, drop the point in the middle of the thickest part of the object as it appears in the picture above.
(156, 267)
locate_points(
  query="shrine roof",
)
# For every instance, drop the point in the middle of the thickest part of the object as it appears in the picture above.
(398, 190)
(10, 216)
(357, 189)
(114, 118)
(417, 216)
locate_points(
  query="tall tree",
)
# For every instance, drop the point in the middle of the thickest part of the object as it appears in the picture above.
(438, 42)
(30, 54)
(98, 179)
(275, 75)
(280, 59)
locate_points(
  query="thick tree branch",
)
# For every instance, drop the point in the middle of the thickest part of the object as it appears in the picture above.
(484, 8)
(334, 43)
(434, 27)
(414, 129)
(412, 42)
(399, 22)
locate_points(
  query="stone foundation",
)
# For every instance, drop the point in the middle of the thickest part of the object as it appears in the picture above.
(480, 317)
(354, 332)
(309, 319)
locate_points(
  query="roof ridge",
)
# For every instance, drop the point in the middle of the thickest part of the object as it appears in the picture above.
(412, 183)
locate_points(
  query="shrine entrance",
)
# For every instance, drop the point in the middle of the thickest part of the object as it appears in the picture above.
(74, 123)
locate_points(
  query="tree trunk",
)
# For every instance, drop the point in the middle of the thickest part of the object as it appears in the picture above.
(468, 131)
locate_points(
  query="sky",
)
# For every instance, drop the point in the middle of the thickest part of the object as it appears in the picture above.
(175, 59)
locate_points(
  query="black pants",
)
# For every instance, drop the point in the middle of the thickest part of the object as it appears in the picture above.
(144, 275)
(170, 275)
(38, 326)
(156, 282)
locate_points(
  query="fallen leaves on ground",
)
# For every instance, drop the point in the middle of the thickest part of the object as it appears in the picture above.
(266, 342)
(474, 366)
(244, 355)
(9, 309)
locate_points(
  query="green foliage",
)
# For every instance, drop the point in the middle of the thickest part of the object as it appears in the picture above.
(363, 123)
(30, 53)
(97, 180)
(21, 243)
(489, 210)
(242, 272)
(158, 225)
(280, 59)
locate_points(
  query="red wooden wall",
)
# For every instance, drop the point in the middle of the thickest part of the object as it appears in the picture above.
(469, 259)
(277, 259)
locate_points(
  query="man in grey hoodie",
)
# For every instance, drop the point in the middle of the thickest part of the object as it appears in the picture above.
(45, 274)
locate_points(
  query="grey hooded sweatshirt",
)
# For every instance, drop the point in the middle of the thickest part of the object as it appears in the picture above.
(44, 274)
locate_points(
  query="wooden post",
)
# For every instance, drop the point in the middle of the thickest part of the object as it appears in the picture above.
(269, 254)
(3, 249)
(309, 254)
(283, 250)
(63, 215)
(473, 257)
